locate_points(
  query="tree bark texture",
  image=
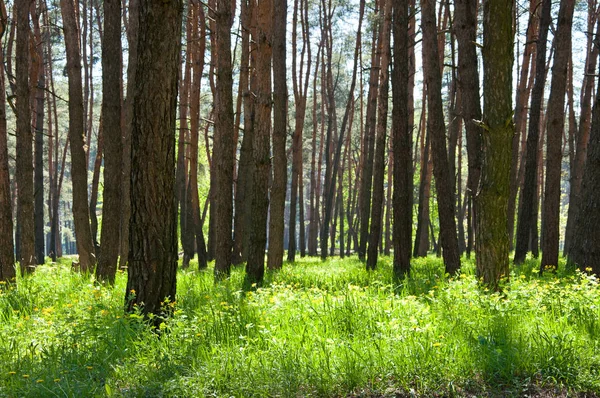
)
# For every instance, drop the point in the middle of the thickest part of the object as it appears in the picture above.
(278, 187)
(223, 162)
(492, 244)
(255, 265)
(153, 226)
(7, 256)
(435, 124)
(401, 143)
(111, 125)
(24, 172)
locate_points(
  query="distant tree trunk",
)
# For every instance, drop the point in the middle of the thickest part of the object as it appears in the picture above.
(300, 79)
(183, 158)
(111, 130)
(380, 144)
(313, 226)
(401, 142)
(465, 25)
(199, 47)
(7, 256)
(94, 190)
(38, 74)
(492, 244)
(278, 187)
(132, 38)
(24, 171)
(255, 265)
(223, 162)
(153, 227)
(369, 145)
(422, 233)
(581, 141)
(244, 173)
(85, 246)
(522, 99)
(585, 244)
(435, 124)
(527, 220)
(555, 129)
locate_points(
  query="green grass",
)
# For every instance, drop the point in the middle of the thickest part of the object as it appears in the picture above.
(313, 329)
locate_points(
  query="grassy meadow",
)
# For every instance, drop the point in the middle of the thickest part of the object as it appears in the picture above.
(314, 329)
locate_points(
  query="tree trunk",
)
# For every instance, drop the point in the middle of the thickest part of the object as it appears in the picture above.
(38, 191)
(223, 162)
(313, 226)
(492, 244)
(555, 128)
(132, 38)
(435, 124)
(85, 246)
(465, 24)
(24, 171)
(278, 187)
(181, 173)
(401, 142)
(522, 99)
(255, 265)
(197, 55)
(369, 145)
(300, 81)
(244, 172)
(380, 143)
(111, 131)
(585, 244)
(151, 281)
(7, 257)
(581, 142)
(527, 220)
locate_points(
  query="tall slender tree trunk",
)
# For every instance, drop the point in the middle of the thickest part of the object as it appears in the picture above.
(223, 162)
(555, 128)
(369, 145)
(132, 38)
(465, 24)
(313, 227)
(243, 174)
(85, 246)
(380, 143)
(255, 265)
(278, 187)
(153, 225)
(199, 48)
(7, 256)
(492, 244)
(401, 142)
(522, 99)
(527, 221)
(435, 124)
(24, 172)
(300, 79)
(111, 130)
(39, 76)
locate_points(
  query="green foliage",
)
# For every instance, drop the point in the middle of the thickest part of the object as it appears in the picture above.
(313, 329)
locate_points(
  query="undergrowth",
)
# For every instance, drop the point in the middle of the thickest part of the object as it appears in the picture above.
(313, 329)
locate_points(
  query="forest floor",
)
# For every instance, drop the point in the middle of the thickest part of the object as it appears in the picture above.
(313, 329)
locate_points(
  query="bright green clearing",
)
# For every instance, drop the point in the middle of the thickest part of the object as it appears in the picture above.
(315, 329)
